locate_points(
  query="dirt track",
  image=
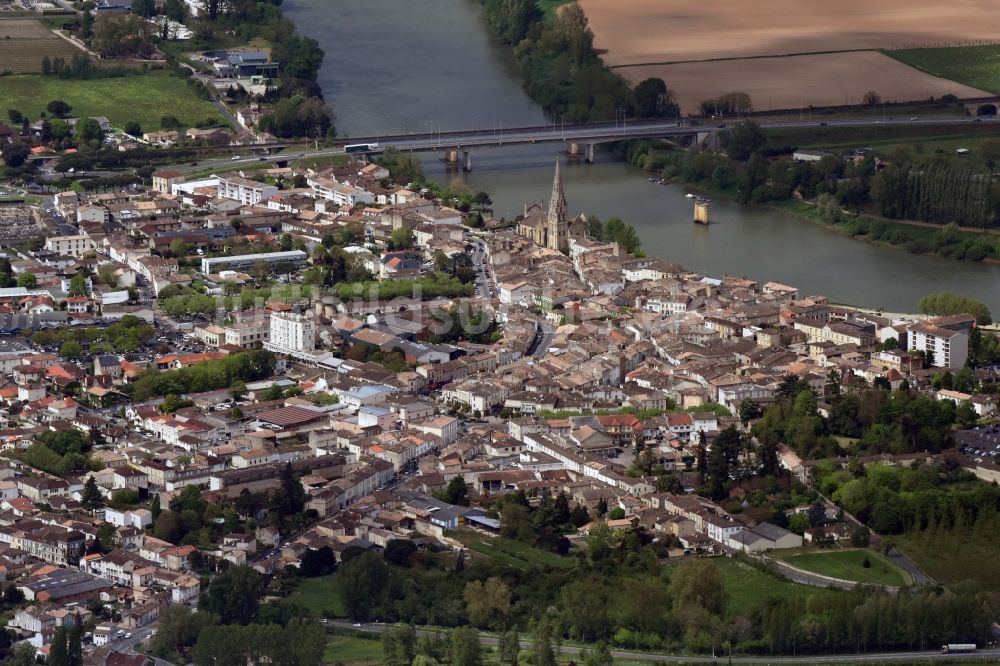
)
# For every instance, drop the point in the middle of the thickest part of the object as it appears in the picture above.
(792, 82)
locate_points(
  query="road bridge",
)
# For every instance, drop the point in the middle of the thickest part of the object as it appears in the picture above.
(457, 146)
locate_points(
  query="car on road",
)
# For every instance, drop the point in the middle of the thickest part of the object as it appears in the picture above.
(128, 635)
(236, 157)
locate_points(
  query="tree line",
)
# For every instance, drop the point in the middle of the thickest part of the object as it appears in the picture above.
(561, 70)
(206, 376)
(884, 420)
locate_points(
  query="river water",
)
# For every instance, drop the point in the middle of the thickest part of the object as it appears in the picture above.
(394, 66)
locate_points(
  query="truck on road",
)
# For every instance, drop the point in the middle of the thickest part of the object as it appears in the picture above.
(958, 648)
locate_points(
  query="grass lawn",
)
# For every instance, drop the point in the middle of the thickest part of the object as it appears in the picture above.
(848, 565)
(976, 66)
(513, 553)
(749, 588)
(144, 98)
(352, 650)
(319, 595)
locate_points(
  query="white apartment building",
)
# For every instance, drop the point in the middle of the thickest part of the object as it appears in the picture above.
(247, 192)
(342, 194)
(73, 246)
(245, 262)
(292, 332)
(943, 347)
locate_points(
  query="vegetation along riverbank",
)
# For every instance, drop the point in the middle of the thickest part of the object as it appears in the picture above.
(899, 195)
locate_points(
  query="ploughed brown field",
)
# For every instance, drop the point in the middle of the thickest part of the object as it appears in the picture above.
(24, 43)
(795, 81)
(650, 31)
(655, 32)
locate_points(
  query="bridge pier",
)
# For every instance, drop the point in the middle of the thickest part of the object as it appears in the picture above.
(585, 150)
(467, 160)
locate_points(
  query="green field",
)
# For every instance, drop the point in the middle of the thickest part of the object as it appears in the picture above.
(748, 588)
(319, 595)
(976, 66)
(952, 556)
(143, 98)
(351, 650)
(513, 553)
(549, 7)
(848, 565)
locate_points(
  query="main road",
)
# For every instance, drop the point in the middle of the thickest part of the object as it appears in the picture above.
(577, 134)
(869, 657)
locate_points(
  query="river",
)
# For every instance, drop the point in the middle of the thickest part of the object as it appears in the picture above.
(395, 66)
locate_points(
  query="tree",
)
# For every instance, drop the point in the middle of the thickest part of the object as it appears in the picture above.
(317, 562)
(748, 411)
(465, 649)
(399, 645)
(652, 99)
(488, 603)
(233, 595)
(133, 128)
(59, 650)
(23, 655)
(177, 629)
(399, 551)
(71, 349)
(87, 25)
(88, 132)
(58, 108)
(600, 657)
(16, 154)
(75, 642)
(870, 98)
(542, 653)
(178, 248)
(145, 8)
(966, 415)
(402, 239)
(92, 498)
(456, 492)
(27, 280)
(78, 285)
(363, 580)
(698, 583)
(122, 35)
(947, 303)
(15, 116)
(743, 140)
(508, 647)
(290, 498)
(175, 10)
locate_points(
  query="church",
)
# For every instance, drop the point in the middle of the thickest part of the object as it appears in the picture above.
(552, 228)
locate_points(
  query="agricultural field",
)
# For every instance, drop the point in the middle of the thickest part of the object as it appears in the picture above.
(512, 553)
(24, 42)
(792, 82)
(849, 565)
(353, 651)
(144, 98)
(747, 588)
(320, 596)
(976, 66)
(729, 47)
(651, 31)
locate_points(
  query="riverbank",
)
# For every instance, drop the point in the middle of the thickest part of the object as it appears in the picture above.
(714, 175)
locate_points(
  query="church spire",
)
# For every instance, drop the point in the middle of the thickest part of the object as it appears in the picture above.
(556, 220)
(557, 203)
